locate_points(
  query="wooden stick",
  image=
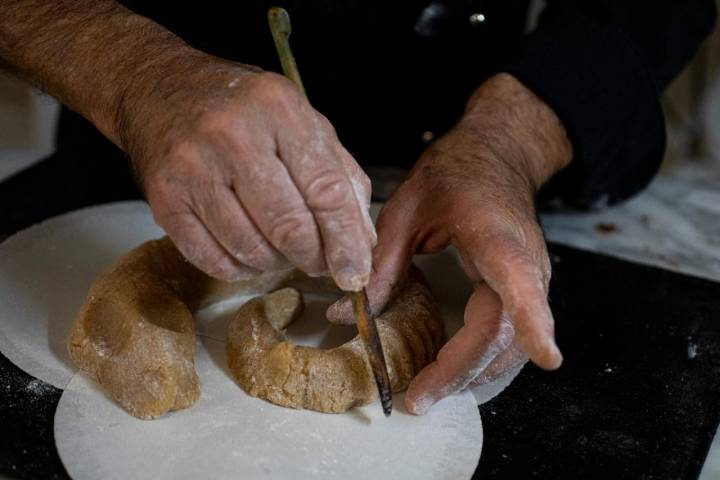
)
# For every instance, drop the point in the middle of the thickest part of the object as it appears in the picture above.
(368, 332)
(280, 27)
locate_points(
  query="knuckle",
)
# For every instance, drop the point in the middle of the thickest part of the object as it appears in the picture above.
(225, 137)
(181, 151)
(209, 261)
(290, 233)
(256, 253)
(190, 174)
(328, 191)
(217, 265)
(325, 128)
(359, 179)
(516, 259)
(542, 260)
(174, 223)
(211, 126)
(218, 132)
(366, 184)
(322, 122)
(276, 91)
(509, 256)
(224, 273)
(164, 198)
(184, 163)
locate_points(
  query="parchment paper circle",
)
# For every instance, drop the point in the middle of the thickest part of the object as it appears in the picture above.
(45, 273)
(229, 434)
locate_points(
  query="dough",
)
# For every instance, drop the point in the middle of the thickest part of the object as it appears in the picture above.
(335, 380)
(45, 273)
(135, 335)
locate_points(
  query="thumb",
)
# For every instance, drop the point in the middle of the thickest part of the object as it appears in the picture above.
(391, 259)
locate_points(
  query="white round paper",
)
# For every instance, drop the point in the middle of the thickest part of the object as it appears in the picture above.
(45, 273)
(229, 434)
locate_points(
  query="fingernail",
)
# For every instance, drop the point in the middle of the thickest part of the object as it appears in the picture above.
(421, 405)
(349, 279)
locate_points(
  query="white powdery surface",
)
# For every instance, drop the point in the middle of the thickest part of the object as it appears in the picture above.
(229, 434)
(673, 224)
(45, 273)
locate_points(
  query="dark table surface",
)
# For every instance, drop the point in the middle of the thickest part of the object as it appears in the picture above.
(637, 397)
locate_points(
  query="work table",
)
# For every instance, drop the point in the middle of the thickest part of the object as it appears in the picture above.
(674, 225)
(639, 394)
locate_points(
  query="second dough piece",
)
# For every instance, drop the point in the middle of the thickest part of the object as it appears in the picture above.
(271, 367)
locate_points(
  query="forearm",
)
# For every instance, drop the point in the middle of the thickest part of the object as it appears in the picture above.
(86, 53)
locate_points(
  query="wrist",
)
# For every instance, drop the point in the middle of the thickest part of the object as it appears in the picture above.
(520, 128)
(137, 104)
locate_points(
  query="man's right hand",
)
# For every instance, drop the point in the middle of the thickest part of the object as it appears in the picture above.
(240, 170)
(245, 176)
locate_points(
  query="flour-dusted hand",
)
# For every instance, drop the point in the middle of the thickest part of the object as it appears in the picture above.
(239, 169)
(474, 188)
(245, 176)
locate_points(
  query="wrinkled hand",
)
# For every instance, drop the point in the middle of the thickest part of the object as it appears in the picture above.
(474, 189)
(245, 176)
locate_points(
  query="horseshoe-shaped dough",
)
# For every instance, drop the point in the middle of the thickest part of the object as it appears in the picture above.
(135, 335)
(335, 380)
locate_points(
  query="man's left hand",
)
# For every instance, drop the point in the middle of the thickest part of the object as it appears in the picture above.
(474, 188)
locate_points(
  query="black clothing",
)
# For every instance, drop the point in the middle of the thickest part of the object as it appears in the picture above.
(386, 72)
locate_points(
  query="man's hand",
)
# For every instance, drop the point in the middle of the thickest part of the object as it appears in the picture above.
(237, 166)
(474, 189)
(245, 176)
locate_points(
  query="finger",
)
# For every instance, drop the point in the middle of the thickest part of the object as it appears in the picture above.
(362, 188)
(269, 194)
(504, 263)
(508, 360)
(227, 221)
(391, 259)
(486, 333)
(196, 244)
(320, 176)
